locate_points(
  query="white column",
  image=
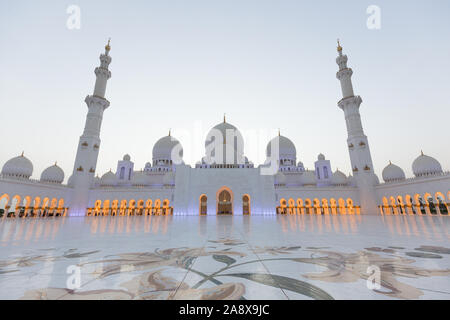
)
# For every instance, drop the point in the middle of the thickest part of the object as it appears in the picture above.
(89, 143)
(357, 142)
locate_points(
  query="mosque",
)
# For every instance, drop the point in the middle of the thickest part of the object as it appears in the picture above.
(224, 181)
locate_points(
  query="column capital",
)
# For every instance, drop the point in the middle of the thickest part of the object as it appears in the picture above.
(345, 102)
(344, 73)
(97, 101)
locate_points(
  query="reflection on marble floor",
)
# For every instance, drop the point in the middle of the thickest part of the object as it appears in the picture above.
(258, 257)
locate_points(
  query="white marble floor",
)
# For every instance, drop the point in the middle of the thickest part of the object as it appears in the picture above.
(257, 257)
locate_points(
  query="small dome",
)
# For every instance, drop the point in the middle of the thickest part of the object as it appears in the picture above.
(339, 179)
(169, 178)
(393, 173)
(235, 145)
(280, 178)
(300, 164)
(126, 157)
(18, 167)
(53, 174)
(308, 178)
(108, 179)
(139, 179)
(96, 181)
(320, 157)
(164, 147)
(425, 165)
(286, 147)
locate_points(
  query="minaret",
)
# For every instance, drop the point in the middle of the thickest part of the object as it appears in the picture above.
(357, 142)
(89, 144)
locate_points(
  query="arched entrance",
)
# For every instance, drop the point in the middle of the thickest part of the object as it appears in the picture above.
(203, 204)
(246, 204)
(224, 201)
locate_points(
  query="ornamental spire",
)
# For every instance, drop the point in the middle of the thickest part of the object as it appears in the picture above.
(339, 48)
(108, 47)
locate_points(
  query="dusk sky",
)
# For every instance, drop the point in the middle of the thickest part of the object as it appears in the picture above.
(266, 64)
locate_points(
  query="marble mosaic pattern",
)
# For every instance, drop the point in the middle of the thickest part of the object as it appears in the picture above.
(207, 258)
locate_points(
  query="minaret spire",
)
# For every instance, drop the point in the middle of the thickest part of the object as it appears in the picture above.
(89, 144)
(357, 142)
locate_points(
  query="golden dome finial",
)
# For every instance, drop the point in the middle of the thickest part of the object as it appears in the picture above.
(421, 152)
(339, 48)
(279, 132)
(170, 132)
(108, 46)
(390, 162)
(224, 118)
(56, 163)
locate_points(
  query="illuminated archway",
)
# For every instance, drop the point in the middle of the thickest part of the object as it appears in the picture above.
(203, 205)
(166, 206)
(333, 205)
(409, 205)
(325, 206)
(123, 207)
(401, 206)
(430, 203)
(300, 208)
(132, 207)
(342, 209)
(317, 207)
(140, 207)
(61, 209)
(246, 207)
(393, 205)
(148, 207)
(442, 206)
(224, 201)
(114, 207)
(157, 208)
(291, 206)
(308, 206)
(350, 206)
(386, 206)
(106, 209)
(97, 207)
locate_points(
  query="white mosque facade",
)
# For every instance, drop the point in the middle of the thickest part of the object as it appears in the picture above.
(224, 181)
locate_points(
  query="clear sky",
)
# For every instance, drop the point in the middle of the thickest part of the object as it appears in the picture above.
(266, 64)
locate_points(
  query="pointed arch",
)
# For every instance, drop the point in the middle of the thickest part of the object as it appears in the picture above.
(148, 207)
(291, 206)
(123, 207)
(350, 206)
(203, 205)
(224, 201)
(157, 208)
(308, 205)
(333, 205)
(325, 206)
(300, 208)
(317, 206)
(342, 209)
(246, 204)
(131, 207)
(385, 206)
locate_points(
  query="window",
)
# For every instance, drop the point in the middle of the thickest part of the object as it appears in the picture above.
(318, 173)
(122, 173)
(325, 172)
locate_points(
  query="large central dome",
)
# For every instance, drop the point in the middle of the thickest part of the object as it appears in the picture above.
(224, 145)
